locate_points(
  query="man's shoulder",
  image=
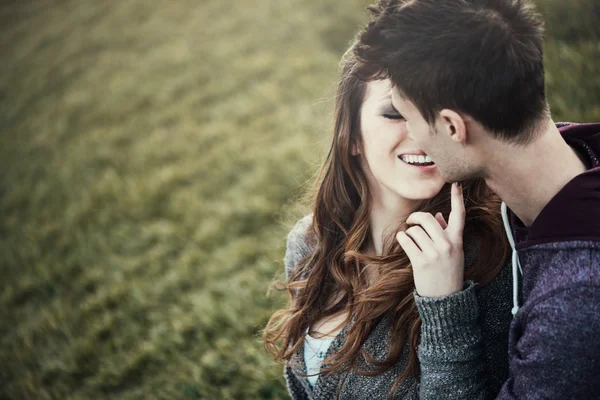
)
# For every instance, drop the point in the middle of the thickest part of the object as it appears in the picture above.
(579, 253)
(554, 267)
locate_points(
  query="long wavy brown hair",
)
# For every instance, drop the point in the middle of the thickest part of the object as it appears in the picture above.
(332, 279)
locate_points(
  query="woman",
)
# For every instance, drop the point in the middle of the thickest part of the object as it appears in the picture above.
(355, 327)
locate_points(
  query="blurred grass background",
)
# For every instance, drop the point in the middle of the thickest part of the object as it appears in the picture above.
(151, 155)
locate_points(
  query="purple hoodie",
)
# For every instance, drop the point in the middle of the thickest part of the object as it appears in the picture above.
(554, 342)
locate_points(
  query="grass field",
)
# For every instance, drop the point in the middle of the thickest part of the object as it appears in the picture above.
(151, 156)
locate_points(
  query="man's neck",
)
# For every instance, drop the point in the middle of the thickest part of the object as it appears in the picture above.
(527, 177)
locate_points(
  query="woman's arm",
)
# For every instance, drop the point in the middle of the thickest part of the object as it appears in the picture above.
(297, 247)
(450, 351)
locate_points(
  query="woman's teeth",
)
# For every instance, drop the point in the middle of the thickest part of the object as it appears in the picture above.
(417, 160)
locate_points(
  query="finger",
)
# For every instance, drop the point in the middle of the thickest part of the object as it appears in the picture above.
(421, 239)
(409, 247)
(456, 220)
(440, 219)
(429, 224)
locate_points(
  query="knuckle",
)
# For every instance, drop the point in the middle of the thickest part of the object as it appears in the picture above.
(416, 216)
(445, 247)
(433, 257)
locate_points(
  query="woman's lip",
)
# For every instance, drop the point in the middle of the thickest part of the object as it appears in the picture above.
(423, 167)
(413, 153)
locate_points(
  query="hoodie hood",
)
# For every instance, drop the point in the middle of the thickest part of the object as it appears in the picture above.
(574, 212)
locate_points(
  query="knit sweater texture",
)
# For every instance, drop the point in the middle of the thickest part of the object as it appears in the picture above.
(463, 352)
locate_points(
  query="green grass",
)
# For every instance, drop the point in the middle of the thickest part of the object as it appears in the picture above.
(151, 156)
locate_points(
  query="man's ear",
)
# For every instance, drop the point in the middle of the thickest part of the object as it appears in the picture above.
(454, 125)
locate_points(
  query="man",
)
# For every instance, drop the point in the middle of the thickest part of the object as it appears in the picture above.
(468, 78)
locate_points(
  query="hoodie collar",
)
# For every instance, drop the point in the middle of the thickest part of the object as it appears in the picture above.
(574, 212)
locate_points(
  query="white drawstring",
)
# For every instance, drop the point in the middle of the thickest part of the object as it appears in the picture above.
(516, 263)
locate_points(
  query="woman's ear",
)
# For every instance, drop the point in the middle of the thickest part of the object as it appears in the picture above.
(355, 149)
(454, 125)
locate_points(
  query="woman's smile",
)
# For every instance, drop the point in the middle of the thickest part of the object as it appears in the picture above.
(418, 160)
(418, 163)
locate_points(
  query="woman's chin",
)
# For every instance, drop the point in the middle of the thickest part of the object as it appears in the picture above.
(420, 192)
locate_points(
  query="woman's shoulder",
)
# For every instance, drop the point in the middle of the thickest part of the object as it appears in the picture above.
(301, 229)
(301, 240)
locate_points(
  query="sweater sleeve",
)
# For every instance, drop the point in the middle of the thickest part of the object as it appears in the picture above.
(297, 246)
(557, 355)
(450, 351)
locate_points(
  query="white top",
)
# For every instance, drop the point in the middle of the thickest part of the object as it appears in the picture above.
(314, 353)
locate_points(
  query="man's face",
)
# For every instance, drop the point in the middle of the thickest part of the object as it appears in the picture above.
(448, 155)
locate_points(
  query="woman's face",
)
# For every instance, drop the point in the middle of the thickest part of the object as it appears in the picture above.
(393, 163)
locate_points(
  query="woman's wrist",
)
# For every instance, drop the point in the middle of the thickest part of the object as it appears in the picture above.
(450, 320)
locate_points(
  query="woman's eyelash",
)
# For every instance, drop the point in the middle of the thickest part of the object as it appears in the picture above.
(393, 116)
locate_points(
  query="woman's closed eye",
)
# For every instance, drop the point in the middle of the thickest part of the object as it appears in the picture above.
(393, 116)
(391, 113)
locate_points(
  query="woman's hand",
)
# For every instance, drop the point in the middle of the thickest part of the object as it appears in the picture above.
(435, 249)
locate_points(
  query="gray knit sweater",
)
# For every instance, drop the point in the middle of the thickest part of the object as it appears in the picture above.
(464, 340)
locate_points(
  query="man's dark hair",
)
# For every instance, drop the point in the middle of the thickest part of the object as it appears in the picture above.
(480, 57)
